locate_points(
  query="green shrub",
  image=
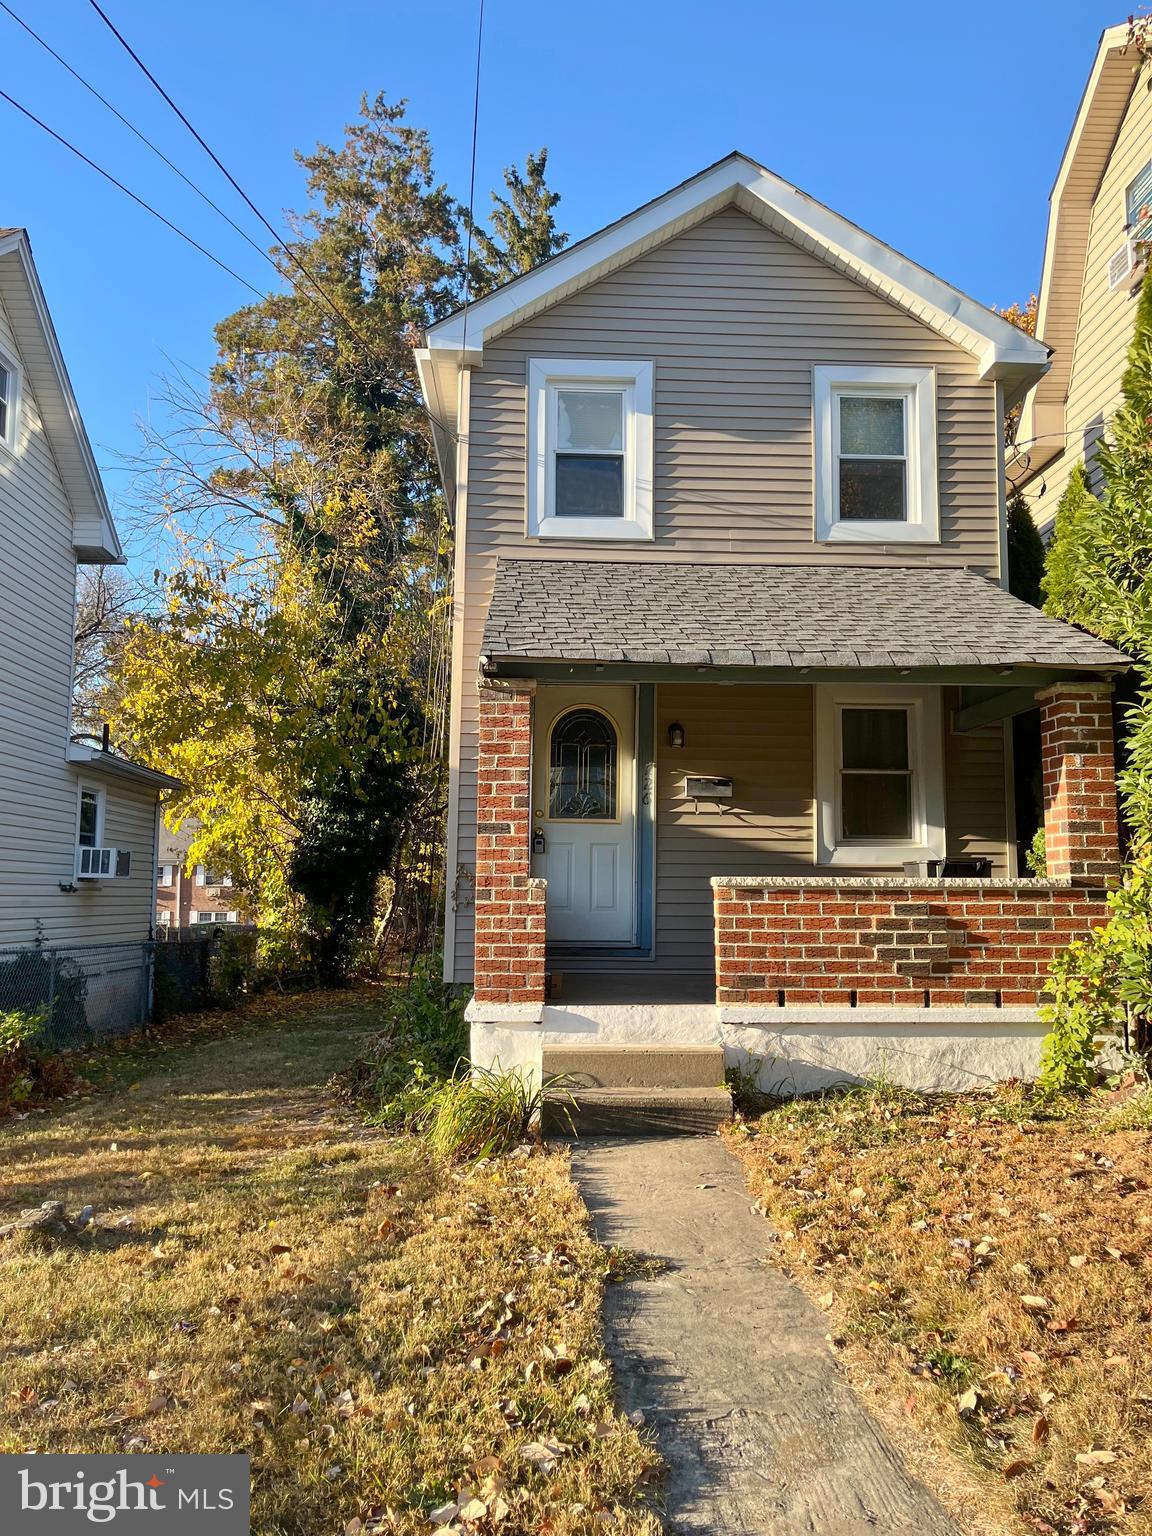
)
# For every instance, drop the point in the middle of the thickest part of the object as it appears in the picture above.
(422, 1044)
(26, 1074)
(1096, 982)
(52, 985)
(1036, 858)
(17, 1028)
(481, 1113)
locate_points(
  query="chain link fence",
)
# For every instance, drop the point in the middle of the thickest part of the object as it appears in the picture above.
(85, 993)
(82, 993)
(208, 965)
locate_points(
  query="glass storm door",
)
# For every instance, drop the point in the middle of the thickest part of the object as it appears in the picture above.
(583, 805)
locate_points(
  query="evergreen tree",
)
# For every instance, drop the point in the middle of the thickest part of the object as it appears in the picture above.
(1070, 553)
(303, 637)
(524, 224)
(1025, 552)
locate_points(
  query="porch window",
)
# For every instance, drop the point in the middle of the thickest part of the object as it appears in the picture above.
(875, 776)
(582, 768)
(875, 442)
(589, 449)
(879, 775)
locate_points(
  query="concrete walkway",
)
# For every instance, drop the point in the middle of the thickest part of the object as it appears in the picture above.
(729, 1361)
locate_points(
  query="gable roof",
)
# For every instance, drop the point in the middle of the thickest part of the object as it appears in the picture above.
(1002, 351)
(1099, 116)
(94, 536)
(781, 617)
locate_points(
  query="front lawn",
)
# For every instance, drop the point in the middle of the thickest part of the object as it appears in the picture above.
(993, 1264)
(388, 1337)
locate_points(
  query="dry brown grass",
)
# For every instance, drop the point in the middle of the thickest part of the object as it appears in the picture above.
(995, 1264)
(383, 1335)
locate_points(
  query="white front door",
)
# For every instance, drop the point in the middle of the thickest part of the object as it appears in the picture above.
(584, 809)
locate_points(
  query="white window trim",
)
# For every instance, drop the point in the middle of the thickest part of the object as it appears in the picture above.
(101, 805)
(10, 437)
(926, 757)
(918, 387)
(545, 376)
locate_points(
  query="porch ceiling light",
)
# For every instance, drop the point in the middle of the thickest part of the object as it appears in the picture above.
(675, 734)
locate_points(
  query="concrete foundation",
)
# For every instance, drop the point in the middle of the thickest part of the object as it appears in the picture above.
(789, 1050)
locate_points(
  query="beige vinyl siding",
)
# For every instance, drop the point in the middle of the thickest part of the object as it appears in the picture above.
(734, 317)
(1103, 328)
(975, 790)
(759, 735)
(38, 787)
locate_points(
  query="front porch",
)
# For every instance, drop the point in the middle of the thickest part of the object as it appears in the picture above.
(811, 870)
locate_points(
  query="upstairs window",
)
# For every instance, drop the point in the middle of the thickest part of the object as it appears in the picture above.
(205, 875)
(9, 401)
(91, 818)
(589, 449)
(1138, 205)
(874, 432)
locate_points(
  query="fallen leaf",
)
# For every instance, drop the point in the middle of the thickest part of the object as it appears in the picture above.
(1095, 1458)
(1014, 1468)
(1035, 1303)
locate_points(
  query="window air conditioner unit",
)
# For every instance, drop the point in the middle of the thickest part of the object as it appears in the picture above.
(103, 863)
(1123, 264)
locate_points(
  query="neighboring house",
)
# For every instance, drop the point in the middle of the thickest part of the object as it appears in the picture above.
(188, 895)
(78, 824)
(733, 660)
(1099, 221)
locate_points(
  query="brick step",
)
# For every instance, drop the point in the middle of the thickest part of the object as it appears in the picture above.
(636, 1066)
(637, 1112)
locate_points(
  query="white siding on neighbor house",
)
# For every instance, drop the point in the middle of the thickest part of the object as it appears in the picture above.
(1103, 327)
(734, 317)
(38, 787)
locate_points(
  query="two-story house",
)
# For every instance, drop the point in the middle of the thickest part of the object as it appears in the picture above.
(733, 661)
(78, 824)
(1099, 223)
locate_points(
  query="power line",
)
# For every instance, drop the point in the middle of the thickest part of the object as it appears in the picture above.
(132, 128)
(119, 185)
(223, 169)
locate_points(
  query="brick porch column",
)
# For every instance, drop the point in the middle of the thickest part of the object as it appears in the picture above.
(509, 902)
(1081, 832)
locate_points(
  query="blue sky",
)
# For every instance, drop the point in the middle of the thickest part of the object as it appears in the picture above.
(939, 129)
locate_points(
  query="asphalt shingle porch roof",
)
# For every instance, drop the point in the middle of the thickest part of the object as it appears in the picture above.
(656, 612)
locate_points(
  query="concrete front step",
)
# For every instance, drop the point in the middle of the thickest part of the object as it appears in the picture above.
(635, 1066)
(637, 1111)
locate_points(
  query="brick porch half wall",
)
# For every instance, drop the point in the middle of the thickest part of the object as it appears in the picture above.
(909, 943)
(510, 914)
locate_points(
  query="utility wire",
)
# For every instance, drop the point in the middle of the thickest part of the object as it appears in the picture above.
(132, 128)
(223, 169)
(148, 208)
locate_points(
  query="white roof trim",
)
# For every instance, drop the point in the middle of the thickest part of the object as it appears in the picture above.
(95, 539)
(95, 760)
(994, 341)
(1002, 351)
